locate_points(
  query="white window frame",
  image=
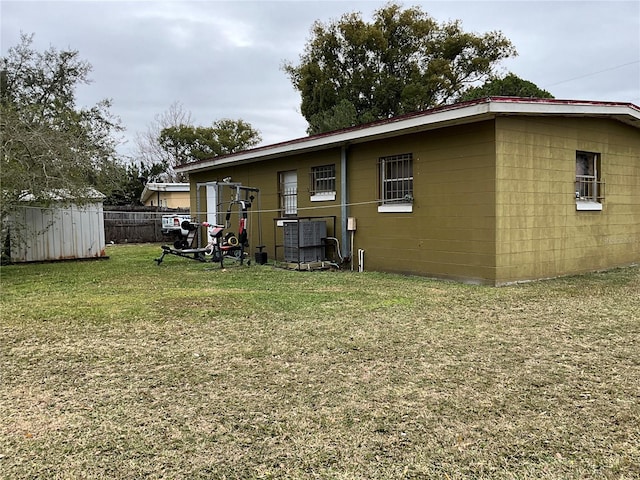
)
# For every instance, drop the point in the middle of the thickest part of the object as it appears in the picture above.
(322, 178)
(288, 192)
(402, 201)
(589, 189)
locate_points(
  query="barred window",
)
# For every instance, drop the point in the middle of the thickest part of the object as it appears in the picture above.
(288, 192)
(589, 186)
(323, 179)
(396, 179)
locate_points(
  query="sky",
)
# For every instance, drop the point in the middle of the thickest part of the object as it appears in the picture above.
(223, 59)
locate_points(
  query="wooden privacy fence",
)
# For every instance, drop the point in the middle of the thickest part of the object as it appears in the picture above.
(130, 224)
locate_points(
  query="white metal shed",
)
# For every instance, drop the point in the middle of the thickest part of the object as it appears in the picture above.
(60, 231)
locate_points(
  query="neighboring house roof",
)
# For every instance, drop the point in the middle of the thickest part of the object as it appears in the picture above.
(152, 188)
(456, 114)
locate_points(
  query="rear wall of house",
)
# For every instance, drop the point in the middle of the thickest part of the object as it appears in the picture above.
(449, 234)
(540, 233)
(451, 231)
(494, 201)
(265, 176)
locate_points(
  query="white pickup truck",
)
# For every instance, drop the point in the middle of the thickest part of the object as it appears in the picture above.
(171, 223)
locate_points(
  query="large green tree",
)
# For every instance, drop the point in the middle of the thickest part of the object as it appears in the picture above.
(353, 71)
(50, 147)
(508, 86)
(188, 143)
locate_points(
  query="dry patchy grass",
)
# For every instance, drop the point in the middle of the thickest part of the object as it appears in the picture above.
(124, 369)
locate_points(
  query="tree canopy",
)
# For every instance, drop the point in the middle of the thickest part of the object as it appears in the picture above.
(188, 143)
(508, 86)
(122, 183)
(353, 72)
(172, 139)
(49, 144)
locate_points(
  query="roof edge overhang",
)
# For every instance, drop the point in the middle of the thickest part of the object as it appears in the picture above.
(154, 187)
(456, 114)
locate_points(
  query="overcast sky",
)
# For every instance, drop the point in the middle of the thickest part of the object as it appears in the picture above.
(222, 59)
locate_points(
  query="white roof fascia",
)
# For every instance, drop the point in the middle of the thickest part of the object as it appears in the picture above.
(145, 194)
(569, 108)
(153, 187)
(168, 187)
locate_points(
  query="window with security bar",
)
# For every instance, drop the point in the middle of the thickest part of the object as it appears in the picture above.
(396, 179)
(288, 193)
(323, 180)
(589, 187)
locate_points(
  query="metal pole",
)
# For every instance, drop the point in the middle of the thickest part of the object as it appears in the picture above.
(344, 200)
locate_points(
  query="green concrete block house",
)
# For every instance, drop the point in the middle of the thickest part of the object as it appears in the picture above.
(492, 191)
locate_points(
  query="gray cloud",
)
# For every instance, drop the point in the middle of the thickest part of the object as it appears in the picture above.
(223, 59)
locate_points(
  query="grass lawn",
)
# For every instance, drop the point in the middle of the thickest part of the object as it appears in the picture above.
(124, 369)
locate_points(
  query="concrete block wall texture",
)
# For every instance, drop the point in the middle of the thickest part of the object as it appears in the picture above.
(540, 233)
(493, 200)
(451, 231)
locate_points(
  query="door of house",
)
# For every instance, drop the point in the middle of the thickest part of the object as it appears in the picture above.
(289, 193)
(212, 203)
